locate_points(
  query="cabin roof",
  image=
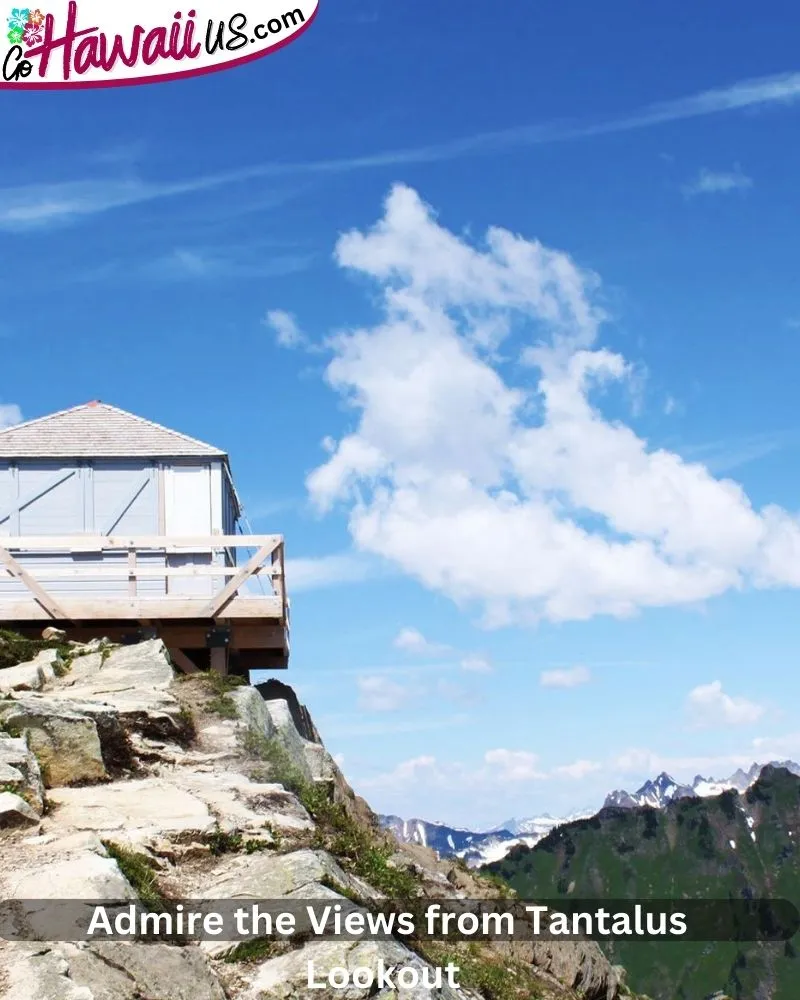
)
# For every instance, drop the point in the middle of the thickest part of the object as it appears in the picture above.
(98, 430)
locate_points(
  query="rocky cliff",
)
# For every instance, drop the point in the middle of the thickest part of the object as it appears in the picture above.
(123, 780)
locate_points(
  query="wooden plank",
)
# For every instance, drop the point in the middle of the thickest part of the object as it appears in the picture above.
(279, 583)
(46, 602)
(93, 571)
(110, 609)
(162, 499)
(269, 640)
(131, 572)
(219, 601)
(219, 660)
(168, 543)
(40, 491)
(255, 659)
(244, 635)
(180, 659)
(127, 503)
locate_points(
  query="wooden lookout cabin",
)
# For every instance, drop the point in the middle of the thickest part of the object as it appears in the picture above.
(111, 525)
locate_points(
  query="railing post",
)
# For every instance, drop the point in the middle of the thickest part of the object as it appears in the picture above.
(132, 582)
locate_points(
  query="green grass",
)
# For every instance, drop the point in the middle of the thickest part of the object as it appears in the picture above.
(279, 765)
(187, 727)
(257, 950)
(359, 848)
(224, 706)
(495, 976)
(222, 842)
(140, 871)
(342, 890)
(221, 683)
(220, 686)
(16, 649)
(275, 833)
(497, 881)
(12, 729)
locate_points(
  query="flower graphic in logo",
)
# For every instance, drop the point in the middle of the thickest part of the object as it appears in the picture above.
(26, 26)
(33, 33)
(20, 16)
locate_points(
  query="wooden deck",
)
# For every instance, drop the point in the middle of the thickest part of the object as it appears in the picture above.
(226, 627)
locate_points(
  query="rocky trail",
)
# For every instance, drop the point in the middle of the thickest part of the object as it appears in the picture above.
(121, 779)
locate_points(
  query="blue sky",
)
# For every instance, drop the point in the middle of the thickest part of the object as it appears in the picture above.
(521, 575)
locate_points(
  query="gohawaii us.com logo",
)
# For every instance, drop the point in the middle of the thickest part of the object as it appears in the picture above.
(94, 43)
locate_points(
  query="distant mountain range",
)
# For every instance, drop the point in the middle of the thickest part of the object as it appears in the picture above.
(664, 789)
(474, 847)
(741, 844)
(484, 847)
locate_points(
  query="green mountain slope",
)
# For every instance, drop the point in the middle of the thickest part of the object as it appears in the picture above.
(733, 846)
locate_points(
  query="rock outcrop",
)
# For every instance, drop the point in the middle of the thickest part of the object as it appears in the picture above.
(120, 780)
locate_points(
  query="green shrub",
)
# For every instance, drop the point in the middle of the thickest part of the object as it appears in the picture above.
(222, 842)
(495, 976)
(358, 847)
(221, 683)
(499, 883)
(280, 767)
(224, 706)
(257, 950)
(140, 871)
(15, 648)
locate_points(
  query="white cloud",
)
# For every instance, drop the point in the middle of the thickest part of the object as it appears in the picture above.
(411, 640)
(513, 765)
(379, 693)
(578, 770)
(567, 678)
(638, 763)
(711, 706)
(40, 205)
(506, 487)
(423, 769)
(325, 571)
(10, 414)
(284, 326)
(474, 663)
(456, 693)
(775, 747)
(355, 726)
(718, 182)
(498, 768)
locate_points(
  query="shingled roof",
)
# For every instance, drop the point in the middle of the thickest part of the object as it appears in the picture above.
(97, 430)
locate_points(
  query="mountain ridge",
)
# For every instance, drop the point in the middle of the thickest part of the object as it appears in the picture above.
(664, 788)
(480, 847)
(737, 845)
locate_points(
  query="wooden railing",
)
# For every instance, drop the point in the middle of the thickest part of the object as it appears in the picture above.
(267, 563)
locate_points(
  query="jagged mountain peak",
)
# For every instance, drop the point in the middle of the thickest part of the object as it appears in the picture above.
(659, 791)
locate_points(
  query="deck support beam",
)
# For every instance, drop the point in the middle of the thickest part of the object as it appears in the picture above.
(213, 608)
(181, 660)
(51, 606)
(219, 660)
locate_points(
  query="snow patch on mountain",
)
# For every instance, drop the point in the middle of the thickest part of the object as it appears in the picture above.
(477, 847)
(664, 789)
